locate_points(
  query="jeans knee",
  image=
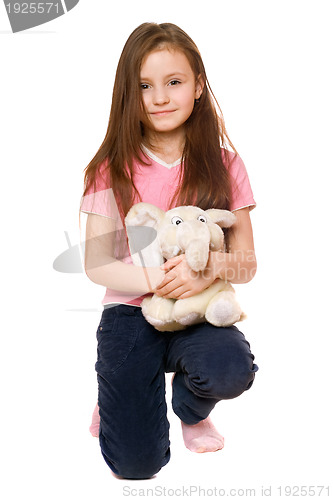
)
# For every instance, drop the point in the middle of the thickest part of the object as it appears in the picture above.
(241, 382)
(226, 383)
(135, 459)
(139, 466)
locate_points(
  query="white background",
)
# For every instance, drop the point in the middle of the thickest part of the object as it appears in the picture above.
(270, 66)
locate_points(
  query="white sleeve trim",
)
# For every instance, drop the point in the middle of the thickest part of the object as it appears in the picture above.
(253, 205)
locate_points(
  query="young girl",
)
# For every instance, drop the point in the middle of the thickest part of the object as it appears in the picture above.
(165, 144)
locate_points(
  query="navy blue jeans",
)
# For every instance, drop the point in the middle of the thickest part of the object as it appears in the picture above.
(210, 364)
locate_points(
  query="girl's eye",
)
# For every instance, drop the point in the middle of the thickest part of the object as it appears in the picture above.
(144, 86)
(202, 218)
(174, 82)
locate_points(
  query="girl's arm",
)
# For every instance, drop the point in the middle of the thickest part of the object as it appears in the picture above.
(238, 266)
(102, 268)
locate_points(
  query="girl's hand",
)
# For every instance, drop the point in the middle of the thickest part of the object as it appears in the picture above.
(181, 281)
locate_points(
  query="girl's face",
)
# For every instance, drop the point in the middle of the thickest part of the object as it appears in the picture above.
(169, 90)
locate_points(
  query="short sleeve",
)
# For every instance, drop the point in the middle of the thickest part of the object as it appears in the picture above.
(241, 191)
(99, 198)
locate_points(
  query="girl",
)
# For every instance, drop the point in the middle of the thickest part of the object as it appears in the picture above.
(165, 144)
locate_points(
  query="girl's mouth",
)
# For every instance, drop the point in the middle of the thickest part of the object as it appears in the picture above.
(162, 113)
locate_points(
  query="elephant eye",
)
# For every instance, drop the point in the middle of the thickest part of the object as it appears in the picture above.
(176, 220)
(202, 218)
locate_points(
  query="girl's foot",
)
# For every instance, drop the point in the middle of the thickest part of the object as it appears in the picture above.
(94, 427)
(116, 475)
(202, 437)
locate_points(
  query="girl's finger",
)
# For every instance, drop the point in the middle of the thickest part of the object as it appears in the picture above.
(169, 287)
(175, 293)
(171, 263)
(166, 280)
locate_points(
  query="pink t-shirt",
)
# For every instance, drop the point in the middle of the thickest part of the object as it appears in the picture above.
(157, 183)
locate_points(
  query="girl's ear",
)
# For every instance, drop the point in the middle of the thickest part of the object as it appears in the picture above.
(199, 86)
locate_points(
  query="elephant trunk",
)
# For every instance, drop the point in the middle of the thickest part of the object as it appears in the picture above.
(194, 240)
(197, 255)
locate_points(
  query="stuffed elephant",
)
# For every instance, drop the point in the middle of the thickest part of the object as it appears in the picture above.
(193, 231)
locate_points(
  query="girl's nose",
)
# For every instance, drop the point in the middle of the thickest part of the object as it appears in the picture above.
(161, 96)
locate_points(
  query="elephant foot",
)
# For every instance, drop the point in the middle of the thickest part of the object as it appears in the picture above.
(224, 310)
(158, 312)
(157, 309)
(171, 326)
(190, 319)
(189, 311)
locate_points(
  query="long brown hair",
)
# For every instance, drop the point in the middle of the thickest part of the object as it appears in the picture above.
(204, 172)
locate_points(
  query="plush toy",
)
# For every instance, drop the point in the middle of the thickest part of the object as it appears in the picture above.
(189, 230)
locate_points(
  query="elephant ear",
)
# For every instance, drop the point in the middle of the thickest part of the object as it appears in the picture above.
(223, 218)
(141, 223)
